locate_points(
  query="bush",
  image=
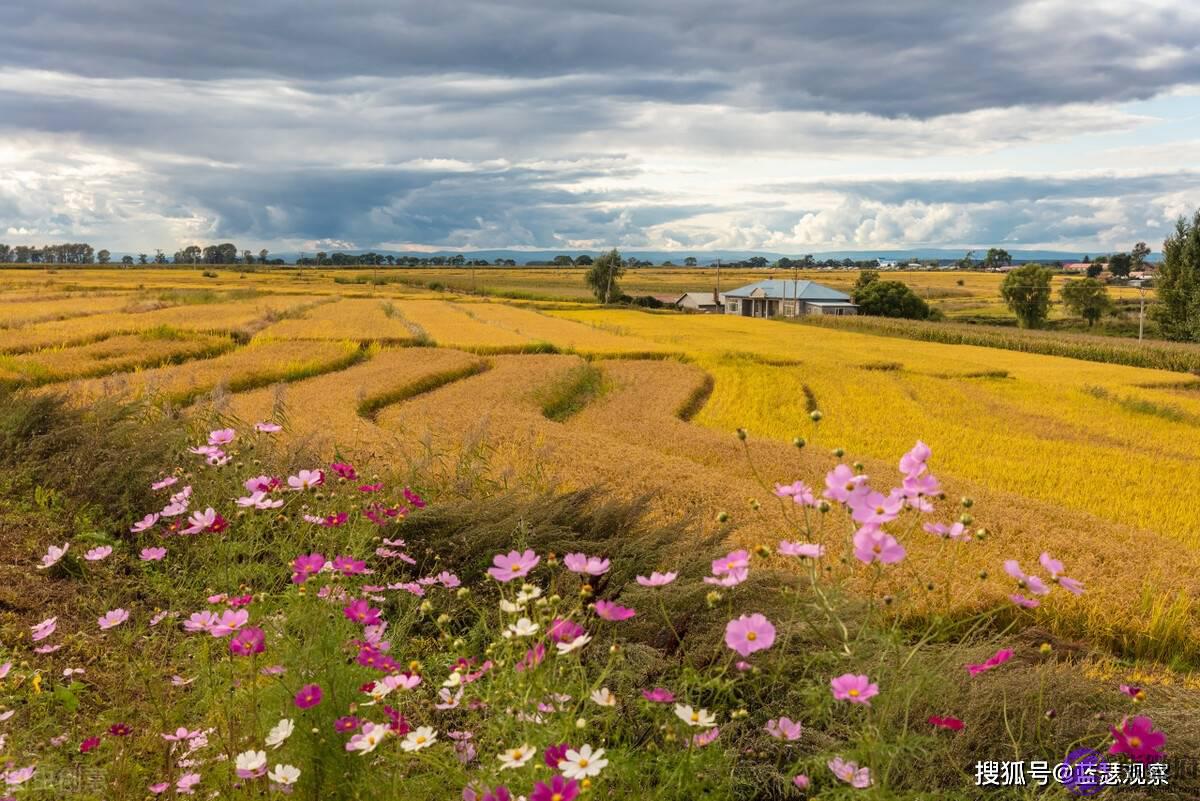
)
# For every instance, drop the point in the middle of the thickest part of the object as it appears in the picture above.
(890, 299)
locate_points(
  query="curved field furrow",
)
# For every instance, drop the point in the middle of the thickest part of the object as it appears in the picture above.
(361, 319)
(113, 354)
(324, 411)
(253, 365)
(454, 325)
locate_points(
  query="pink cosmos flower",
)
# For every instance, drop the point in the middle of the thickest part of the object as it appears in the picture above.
(159, 788)
(801, 549)
(344, 470)
(1138, 740)
(44, 629)
(874, 509)
(730, 578)
(802, 781)
(873, 545)
(731, 562)
(113, 618)
(841, 484)
(857, 689)
(612, 611)
(913, 462)
(187, 783)
(798, 491)
(163, 483)
(230, 621)
(7, 666)
(749, 633)
(513, 565)
(371, 487)
(306, 566)
(590, 565)
(259, 500)
(261, 484)
(152, 554)
(1028, 603)
(362, 612)
(99, 553)
(559, 789)
(346, 724)
(309, 696)
(145, 524)
(201, 621)
(248, 641)
(659, 695)
(995, 660)
(268, 427)
(957, 531)
(47, 649)
(705, 737)
(1136, 693)
(784, 729)
(19, 775)
(53, 555)
(222, 436)
(181, 734)
(208, 520)
(1026, 582)
(120, 730)
(563, 630)
(306, 479)
(657, 579)
(349, 566)
(1055, 569)
(850, 773)
(413, 499)
(88, 744)
(954, 724)
(533, 657)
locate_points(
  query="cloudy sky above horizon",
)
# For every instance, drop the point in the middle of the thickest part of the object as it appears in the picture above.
(770, 125)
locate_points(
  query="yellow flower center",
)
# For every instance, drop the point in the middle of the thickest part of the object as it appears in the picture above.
(729, 565)
(853, 693)
(556, 797)
(695, 717)
(583, 763)
(878, 510)
(1135, 742)
(516, 568)
(420, 740)
(849, 486)
(877, 548)
(752, 636)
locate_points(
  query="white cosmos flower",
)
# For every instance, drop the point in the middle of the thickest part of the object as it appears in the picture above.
(509, 607)
(583, 763)
(250, 763)
(516, 757)
(422, 737)
(364, 742)
(280, 732)
(695, 717)
(573, 645)
(287, 775)
(603, 697)
(522, 628)
(528, 593)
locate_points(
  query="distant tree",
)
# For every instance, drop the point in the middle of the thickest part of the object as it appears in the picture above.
(1139, 254)
(1086, 258)
(5, 250)
(563, 261)
(262, 256)
(103, 257)
(996, 257)
(1087, 298)
(667, 263)
(757, 262)
(603, 276)
(584, 261)
(127, 261)
(865, 279)
(321, 257)
(1120, 264)
(458, 260)
(1094, 270)
(142, 258)
(247, 257)
(690, 261)
(159, 256)
(890, 299)
(784, 262)
(1178, 285)
(967, 261)
(1026, 290)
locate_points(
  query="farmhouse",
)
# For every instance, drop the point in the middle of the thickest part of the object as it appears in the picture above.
(706, 302)
(786, 299)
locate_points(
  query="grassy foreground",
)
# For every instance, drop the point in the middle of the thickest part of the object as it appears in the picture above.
(190, 613)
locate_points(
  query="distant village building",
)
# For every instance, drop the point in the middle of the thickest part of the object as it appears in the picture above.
(1076, 267)
(773, 298)
(886, 264)
(705, 302)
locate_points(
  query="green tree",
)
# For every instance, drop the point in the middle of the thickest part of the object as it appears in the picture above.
(967, 261)
(1178, 285)
(890, 299)
(564, 261)
(103, 256)
(996, 257)
(1087, 298)
(583, 261)
(865, 279)
(1026, 290)
(604, 274)
(1139, 254)
(1120, 264)
(142, 259)
(690, 261)
(1094, 270)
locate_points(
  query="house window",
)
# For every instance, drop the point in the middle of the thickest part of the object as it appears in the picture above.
(733, 305)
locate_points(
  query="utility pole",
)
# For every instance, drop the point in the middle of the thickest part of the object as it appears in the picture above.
(1141, 308)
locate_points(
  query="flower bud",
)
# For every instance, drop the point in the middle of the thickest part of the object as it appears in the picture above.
(762, 550)
(741, 434)
(581, 723)
(799, 442)
(858, 467)
(1045, 648)
(966, 519)
(463, 592)
(723, 517)
(839, 453)
(967, 503)
(443, 619)
(823, 506)
(815, 415)
(713, 598)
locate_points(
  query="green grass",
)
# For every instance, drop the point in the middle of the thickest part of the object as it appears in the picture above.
(570, 394)
(371, 406)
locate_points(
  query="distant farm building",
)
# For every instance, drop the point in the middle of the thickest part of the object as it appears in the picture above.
(705, 302)
(787, 299)
(1076, 267)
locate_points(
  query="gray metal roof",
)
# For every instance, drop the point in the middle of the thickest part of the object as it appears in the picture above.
(780, 289)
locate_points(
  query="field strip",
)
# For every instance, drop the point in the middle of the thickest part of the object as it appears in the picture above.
(148, 349)
(247, 367)
(360, 319)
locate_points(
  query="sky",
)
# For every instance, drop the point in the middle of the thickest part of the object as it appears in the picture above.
(778, 125)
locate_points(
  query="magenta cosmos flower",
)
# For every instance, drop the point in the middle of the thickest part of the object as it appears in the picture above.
(857, 689)
(1137, 739)
(513, 565)
(362, 612)
(248, 641)
(659, 695)
(798, 491)
(873, 545)
(344, 470)
(559, 789)
(613, 611)
(657, 579)
(589, 565)
(996, 659)
(749, 633)
(305, 566)
(309, 696)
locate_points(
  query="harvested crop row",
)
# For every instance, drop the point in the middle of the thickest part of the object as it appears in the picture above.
(563, 334)
(149, 348)
(455, 325)
(256, 364)
(15, 313)
(361, 319)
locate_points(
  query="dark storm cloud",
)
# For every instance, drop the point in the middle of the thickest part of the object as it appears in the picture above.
(918, 57)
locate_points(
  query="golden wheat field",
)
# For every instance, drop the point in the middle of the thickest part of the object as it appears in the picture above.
(1085, 459)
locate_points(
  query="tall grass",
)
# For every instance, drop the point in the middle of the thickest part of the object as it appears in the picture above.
(569, 394)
